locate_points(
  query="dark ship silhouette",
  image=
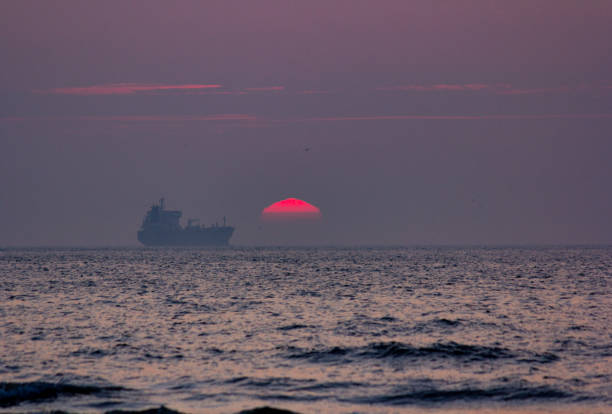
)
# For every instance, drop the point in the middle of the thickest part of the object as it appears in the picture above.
(161, 227)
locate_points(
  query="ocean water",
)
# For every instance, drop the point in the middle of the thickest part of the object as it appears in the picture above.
(418, 330)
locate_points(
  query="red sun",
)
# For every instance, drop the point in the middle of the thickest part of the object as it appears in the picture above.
(291, 209)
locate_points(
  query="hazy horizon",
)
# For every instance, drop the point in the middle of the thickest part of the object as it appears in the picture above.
(413, 124)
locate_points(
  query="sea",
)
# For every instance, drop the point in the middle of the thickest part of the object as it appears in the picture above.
(309, 330)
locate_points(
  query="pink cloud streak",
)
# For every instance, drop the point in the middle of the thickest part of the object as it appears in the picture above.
(141, 118)
(172, 118)
(253, 120)
(459, 117)
(125, 89)
(313, 92)
(497, 88)
(534, 91)
(466, 87)
(216, 89)
(266, 89)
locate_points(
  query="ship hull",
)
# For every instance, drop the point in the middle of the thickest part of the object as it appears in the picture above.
(209, 237)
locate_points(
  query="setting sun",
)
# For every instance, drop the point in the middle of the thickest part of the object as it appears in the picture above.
(291, 209)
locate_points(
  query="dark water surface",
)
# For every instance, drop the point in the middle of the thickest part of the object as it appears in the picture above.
(311, 330)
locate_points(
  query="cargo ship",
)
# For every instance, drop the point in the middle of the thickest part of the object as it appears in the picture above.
(162, 227)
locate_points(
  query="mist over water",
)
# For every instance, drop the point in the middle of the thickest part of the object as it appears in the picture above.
(311, 330)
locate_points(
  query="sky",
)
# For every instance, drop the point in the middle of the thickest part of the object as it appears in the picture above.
(404, 122)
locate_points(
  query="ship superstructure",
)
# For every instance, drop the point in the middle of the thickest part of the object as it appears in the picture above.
(162, 227)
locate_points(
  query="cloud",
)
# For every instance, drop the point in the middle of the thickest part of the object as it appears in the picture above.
(141, 118)
(458, 117)
(466, 87)
(535, 91)
(249, 120)
(245, 91)
(127, 89)
(229, 93)
(217, 89)
(496, 88)
(266, 89)
(149, 89)
(172, 118)
(313, 92)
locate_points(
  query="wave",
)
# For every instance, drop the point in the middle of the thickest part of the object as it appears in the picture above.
(14, 393)
(267, 410)
(292, 384)
(333, 385)
(164, 410)
(325, 355)
(445, 350)
(437, 325)
(269, 383)
(396, 350)
(159, 410)
(293, 326)
(516, 393)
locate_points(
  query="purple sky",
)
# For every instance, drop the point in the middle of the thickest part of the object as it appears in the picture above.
(427, 122)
